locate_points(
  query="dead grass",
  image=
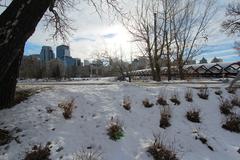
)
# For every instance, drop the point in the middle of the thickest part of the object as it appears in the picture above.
(115, 129)
(225, 106)
(165, 117)
(5, 137)
(232, 123)
(161, 151)
(232, 90)
(22, 95)
(193, 115)
(218, 92)
(203, 93)
(161, 101)
(67, 107)
(175, 99)
(39, 153)
(147, 104)
(127, 103)
(189, 95)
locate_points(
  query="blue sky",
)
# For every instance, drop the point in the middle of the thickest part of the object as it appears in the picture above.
(94, 35)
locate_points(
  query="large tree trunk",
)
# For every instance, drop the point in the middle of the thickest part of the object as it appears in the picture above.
(152, 67)
(8, 85)
(17, 24)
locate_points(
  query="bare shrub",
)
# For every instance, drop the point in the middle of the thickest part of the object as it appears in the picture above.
(67, 107)
(165, 117)
(38, 153)
(189, 95)
(225, 106)
(218, 92)
(88, 155)
(127, 103)
(232, 123)
(147, 104)
(203, 93)
(115, 129)
(236, 101)
(161, 151)
(193, 115)
(175, 99)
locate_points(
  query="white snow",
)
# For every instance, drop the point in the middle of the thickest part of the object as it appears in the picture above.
(96, 104)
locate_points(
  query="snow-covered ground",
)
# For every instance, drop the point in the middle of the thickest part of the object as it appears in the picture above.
(96, 104)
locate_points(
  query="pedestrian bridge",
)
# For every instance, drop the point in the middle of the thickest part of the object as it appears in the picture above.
(198, 70)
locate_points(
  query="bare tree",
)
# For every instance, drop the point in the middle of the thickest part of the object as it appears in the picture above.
(18, 23)
(232, 26)
(140, 25)
(190, 22)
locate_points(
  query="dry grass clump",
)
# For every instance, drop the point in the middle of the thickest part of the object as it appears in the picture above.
(218, 92)
(38, 153)
(162, 101)
(236, 101)
(165, 117)
(67, 107)
(225, 106)
(88, 155)
(5, 137)
(147, 104)
(115, 129)
(203, 93)
(161, 151)
(127, 103)
(175, 99)
(232, 123)
(189, 95)
(193, 115)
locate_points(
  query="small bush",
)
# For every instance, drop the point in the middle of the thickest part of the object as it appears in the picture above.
(175, 99)
(165, 117)
(161, 101)
(236, 101)
(147, 104)
(127, 103)
(115, 130)
(225, 106)
(160, 151)
(232, 123)
(203, 93)
(193, 115)
(189, 95)
(5, 137)
(67, 108)
(88, 155)
(218, 92)
(38, 153)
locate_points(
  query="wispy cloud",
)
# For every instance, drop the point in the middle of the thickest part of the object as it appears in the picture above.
(110, 35)
(84, 39)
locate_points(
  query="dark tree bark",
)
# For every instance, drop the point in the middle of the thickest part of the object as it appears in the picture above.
(17, 24)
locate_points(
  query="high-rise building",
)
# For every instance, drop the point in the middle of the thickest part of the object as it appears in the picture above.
(63, 51)
(78, 62)
(86, 63)
(46, 54)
